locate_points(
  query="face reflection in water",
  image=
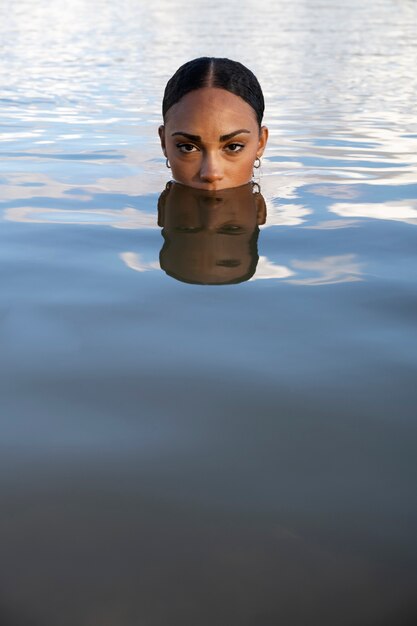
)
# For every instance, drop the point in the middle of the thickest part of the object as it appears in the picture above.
(210, 236)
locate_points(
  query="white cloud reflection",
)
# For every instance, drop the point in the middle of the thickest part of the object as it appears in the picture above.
(129, 217)
(333, 224)
(322, 271)
(326, 271)
(134, 261)
(400, 210)
(329, 270)
(268, 269)
(286, 214)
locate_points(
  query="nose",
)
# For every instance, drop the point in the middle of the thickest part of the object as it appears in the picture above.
(211, 170)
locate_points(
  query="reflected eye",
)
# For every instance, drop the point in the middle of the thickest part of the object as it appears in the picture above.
(235, 147)
(186, 148)
(230, 229)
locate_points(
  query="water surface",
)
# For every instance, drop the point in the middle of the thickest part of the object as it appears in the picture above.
(174, 453)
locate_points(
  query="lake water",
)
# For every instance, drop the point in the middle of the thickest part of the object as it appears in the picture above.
(184, 454)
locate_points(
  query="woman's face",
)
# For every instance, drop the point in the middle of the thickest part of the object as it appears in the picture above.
(211, 138)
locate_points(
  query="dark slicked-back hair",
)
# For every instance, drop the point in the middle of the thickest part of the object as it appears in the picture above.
(215, 72)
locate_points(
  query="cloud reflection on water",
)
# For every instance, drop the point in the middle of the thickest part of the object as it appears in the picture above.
(400, 210)
(326, 270)
(124, 218)
(330, 270)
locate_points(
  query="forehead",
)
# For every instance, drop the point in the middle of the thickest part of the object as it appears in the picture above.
(211, 108)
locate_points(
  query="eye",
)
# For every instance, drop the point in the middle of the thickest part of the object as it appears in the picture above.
(235, 147)
(186, 148)
(230, 229)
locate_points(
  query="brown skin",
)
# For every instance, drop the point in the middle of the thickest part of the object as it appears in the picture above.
(201, 141)
(208, 233)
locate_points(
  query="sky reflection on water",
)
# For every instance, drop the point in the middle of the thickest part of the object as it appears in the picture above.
(235, 454)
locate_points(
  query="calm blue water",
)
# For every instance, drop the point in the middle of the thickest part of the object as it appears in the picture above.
(186, 454)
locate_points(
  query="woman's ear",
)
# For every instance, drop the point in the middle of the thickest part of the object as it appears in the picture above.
(263, 138)
(161, 132)
(260, 209)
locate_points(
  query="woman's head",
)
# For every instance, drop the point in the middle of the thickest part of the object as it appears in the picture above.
(213, 72)
(212, 132)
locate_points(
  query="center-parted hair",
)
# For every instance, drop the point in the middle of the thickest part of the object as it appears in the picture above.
(215, 72)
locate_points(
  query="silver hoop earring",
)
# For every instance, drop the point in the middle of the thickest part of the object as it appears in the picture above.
(167, 164)
(256, 165)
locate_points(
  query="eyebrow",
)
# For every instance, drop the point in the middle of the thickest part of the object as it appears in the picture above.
(222, 137)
